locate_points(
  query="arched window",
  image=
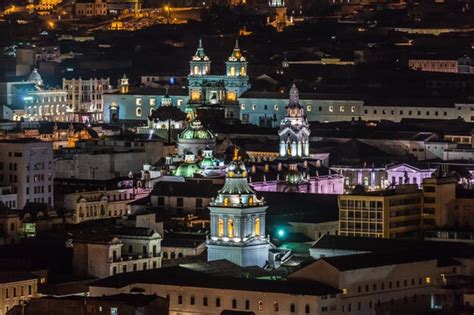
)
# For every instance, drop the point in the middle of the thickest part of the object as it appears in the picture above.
(230, 228)
(173, 255)
(220, 228)
(257, 226)
(196, 70)
(180, 255)
(307, 309)
(242, 71)
(247, 304)
(260, 305)
(234, 303)
(292, 308)
(154, 250)
(232, 71)
(275, 306)
(165, 255)
(139, 112)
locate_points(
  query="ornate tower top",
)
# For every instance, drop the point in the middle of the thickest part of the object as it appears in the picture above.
(200, 55)
(294, 109)
(236, 53)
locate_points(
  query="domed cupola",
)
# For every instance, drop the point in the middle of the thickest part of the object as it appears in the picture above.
(294, 177)
(36, 78)
(238, 221)
(195, 138)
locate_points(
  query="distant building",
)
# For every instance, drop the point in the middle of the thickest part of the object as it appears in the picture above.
(126, 304)
(116, 250)
(388, 213)
(49, 105)
(85, 102)
(90, 8)
(27, 167)
(16, 288)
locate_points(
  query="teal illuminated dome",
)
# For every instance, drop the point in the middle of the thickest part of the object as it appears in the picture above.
(195, 131)
(294, 177)
(187, 170)
(208, 162)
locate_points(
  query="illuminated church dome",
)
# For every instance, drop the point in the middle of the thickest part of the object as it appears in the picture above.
(208, 161)
(188, 168)
(35, 77)
(294, 177)
(195, 138)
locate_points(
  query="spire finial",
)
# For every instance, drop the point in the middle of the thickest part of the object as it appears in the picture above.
(236, 44)
(200, 42)
(236, 153)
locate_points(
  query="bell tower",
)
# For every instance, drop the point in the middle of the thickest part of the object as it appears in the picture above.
(200, 64)
(294, 129)
(236, 64)
(238, 221)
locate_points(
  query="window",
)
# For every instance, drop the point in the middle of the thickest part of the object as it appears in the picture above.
(198, 203)
(341, 109)
(260, 305)
(138, 112)
(113, 311)
(275, 306)
(247, 304)
(234, 303)
(138, 101)
(180, 299)
(353, 109)
(292, 308)
(308, 108)
(331, 109)
(254, 106)
(230, 228)
(257, 226)
(276, 108)
(218, 302)
(192, 300)
(307, 309)
(242, 106)
(220, 228)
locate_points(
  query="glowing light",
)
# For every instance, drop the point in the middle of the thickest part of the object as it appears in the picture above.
(281, 233)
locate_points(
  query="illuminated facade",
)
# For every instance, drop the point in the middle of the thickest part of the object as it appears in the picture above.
(238, 221)
(294, 129)
(207, 89)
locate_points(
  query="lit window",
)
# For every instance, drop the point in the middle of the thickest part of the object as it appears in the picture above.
(353, 109)
(138, 101)
(308, 108)
(257, 226)
(428, 280)
(232, 71)
(254, 106)
(179, 102)
(230, 228)
(276, 107)
(260, 305)
(139, 112)
(152, 102)
(331, 108)
(220, 228)
(242, 106)
(341, 109)
(195, 95)
(231, 96)
(242, 71)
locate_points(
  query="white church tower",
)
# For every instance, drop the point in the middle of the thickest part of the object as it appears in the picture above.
(294, 129)
(238, 221)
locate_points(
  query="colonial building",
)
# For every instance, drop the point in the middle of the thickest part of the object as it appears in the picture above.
(85, 98)
(16, 288)
(238, 221)
(27, 167)
(116, 250)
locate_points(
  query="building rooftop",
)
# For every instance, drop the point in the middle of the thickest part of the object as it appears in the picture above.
(179, 276)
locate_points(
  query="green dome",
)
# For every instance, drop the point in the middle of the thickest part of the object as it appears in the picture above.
(195, 131)
(294, 177)
(187, 170)
(208, 162)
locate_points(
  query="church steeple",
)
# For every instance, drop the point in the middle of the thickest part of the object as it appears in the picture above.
(238, 221)
(294, 129)
(236, 64)
(200, 63)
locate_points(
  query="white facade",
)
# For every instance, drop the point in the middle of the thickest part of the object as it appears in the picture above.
(238, 221)
(85, 98)
(27, 167)
(294, 129)
(50, 105)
